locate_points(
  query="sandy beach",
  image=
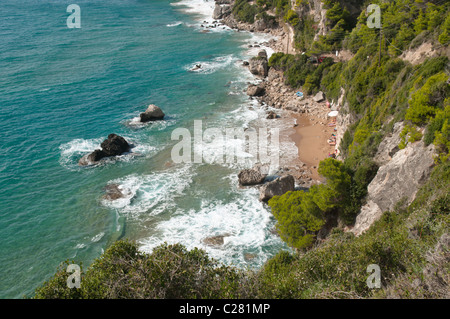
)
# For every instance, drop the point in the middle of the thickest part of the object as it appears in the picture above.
(311, 137)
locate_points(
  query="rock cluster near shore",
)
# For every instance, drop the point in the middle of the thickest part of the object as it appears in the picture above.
(255, 177)
(277, 187)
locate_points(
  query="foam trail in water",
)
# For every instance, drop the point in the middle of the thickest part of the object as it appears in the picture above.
(208, 67)
(152, 193)
(174, 24)
(244, 224)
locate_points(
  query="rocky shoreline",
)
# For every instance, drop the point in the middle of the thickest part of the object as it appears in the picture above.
(271, 92)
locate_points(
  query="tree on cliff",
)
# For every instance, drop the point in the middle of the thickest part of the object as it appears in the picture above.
(300, 215)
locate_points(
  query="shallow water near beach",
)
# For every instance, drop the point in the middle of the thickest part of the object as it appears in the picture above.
(62, 91)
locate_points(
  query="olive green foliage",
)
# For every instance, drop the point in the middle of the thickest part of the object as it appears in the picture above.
(300, 215)
(170, 271)
(292, 17)
(340, 23)
(409, 134)
(245, 12)
(428, 99)
(298, 218)
(300, 70)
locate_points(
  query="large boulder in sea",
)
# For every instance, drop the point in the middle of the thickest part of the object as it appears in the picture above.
(114, 145)
(249, 177)
(153, 113)
(277, 187)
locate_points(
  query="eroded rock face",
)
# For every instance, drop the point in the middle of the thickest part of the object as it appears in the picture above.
(399, 179)
(221, 11)
(259, 66)
(277, 187)
(153, 113)
(262, 54)
(249, 177)
(389, 146)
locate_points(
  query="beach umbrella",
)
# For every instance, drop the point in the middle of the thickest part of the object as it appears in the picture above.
(333, 113)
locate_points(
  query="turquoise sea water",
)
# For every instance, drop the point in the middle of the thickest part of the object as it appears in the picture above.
(62, 91)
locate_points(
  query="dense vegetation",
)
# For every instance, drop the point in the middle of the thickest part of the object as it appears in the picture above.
(379, 88)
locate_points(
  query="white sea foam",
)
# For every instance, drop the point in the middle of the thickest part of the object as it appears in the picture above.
(152, 193)
(97, 237)
(208, 67)
(136, 123)
(174, 24)
(201, 8)
(72, 151)
(244, 223)
(260, 39)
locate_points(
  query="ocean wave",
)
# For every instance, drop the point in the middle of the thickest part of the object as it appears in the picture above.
(72, 151)
(244, 224)
(97, 237)
(208, 67)
(135, 123)
(203, 9)
(152, 193)
(174, 24)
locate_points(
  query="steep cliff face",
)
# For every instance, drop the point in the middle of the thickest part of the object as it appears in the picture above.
(397, 180)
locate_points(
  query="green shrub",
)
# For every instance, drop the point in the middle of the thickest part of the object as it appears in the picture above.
(425, 101)
(170, 271)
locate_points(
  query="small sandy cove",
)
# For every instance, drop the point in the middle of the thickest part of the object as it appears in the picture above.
(311, 138)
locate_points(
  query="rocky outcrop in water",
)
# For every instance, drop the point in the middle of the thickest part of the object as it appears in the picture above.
(114, 145)
(277, 187)
(249, 177)
(215, 240)
(153, 113)
(397, 180)
(113, 192)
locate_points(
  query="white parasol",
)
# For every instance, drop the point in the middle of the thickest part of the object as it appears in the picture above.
(333, 113)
